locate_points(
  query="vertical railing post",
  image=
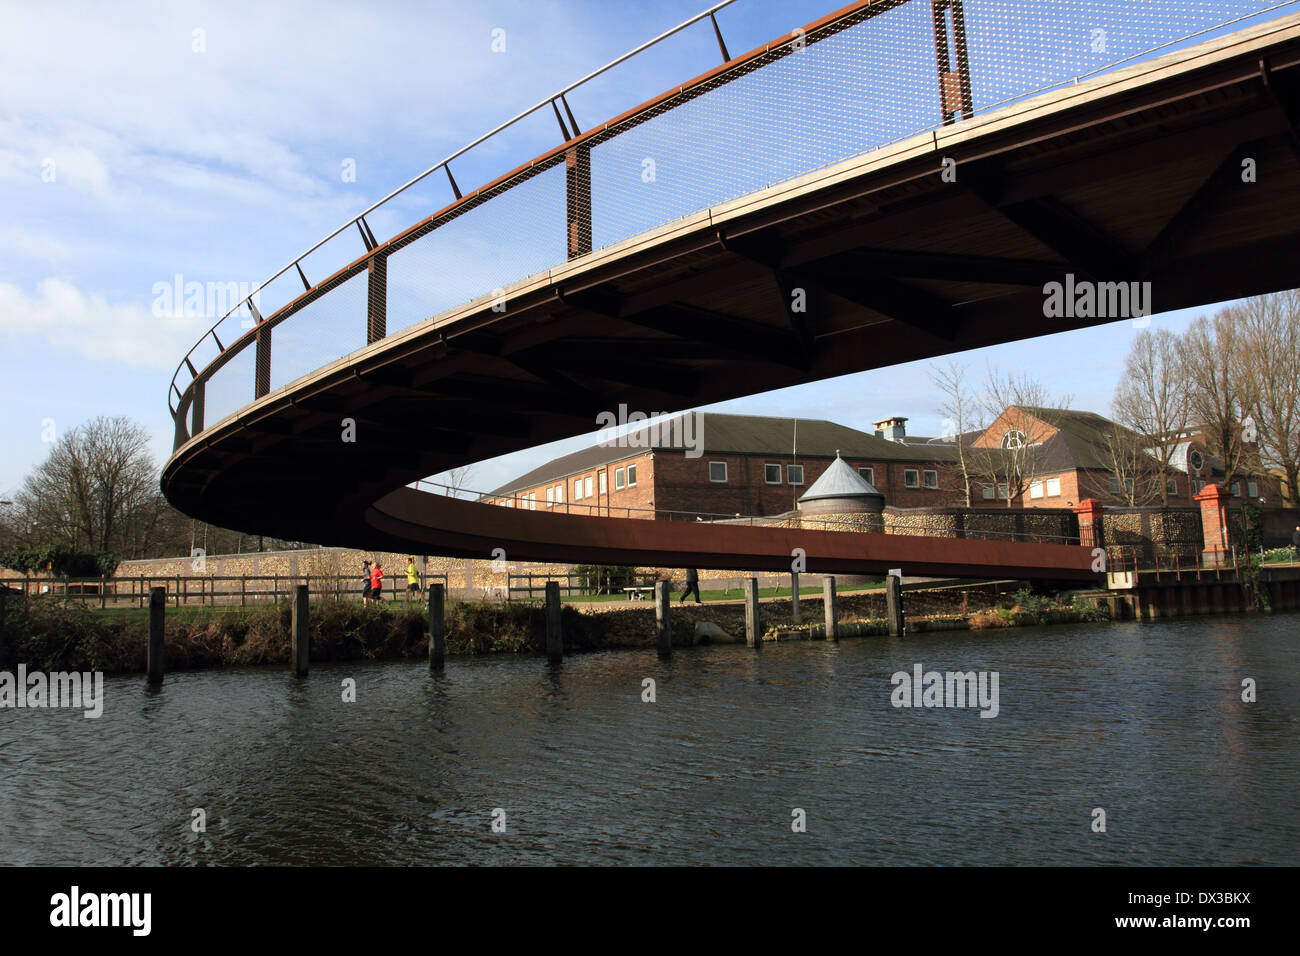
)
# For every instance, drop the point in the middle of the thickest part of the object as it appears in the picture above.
(196, 408)
(577, 183)
(376, 298)
(954, 84)
(262, 369)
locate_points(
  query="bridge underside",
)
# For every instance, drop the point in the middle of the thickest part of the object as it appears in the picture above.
(1134, 177)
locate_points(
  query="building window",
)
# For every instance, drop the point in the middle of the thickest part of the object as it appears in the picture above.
(869, 474)
(577, 489)
(532, 501)
(1035, 489)
(772, 474)
(509, 503)
(1004, 492)
(794, 474)
(618, 479)
(559, 494)
(911, 478)
(586, 487)
(1112, 483)
(550, 497)
(931, 479)
(718, 471)
(604, 486)
(988, 492)
(1171, 486)
(1236, 489)
(1196, 460)
(1013, 439)
(1053, 487)
(1252, 489)
(631, 476)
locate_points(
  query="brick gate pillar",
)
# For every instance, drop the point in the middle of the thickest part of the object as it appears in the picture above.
(1090, 527)
(1213, 500)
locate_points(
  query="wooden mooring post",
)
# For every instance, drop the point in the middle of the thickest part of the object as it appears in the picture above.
(301, 652)
(830, 604)
(752, 636)
(662, 599)
(437, 626)
(894, 605)
(157, 624)
(554, 632)
(794, 596)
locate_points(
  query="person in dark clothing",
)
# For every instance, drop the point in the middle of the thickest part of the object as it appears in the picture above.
(365, 582)
(692, 584)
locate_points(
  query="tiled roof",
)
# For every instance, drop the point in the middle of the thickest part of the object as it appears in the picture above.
(718, 433)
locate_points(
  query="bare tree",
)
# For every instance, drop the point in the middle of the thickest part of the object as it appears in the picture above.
(457, 480)
(1152, 400)
(1270, 343)
(962, 414)
(1135, 477)
(1221, 388)
(94, 490)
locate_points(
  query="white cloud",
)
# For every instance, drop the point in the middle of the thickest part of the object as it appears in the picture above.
(66, 318)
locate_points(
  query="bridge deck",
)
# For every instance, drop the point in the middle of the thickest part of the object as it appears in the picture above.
(1135, 176)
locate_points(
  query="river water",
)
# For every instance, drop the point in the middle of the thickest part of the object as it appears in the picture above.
(1144, 721)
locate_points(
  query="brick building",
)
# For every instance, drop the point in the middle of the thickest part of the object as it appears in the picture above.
(712, 464)
(1071, 455)
(725, 465)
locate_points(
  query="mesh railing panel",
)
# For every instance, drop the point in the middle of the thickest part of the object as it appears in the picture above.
(866, 85)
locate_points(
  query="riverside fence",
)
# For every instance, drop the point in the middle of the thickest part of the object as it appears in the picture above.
(212, 590)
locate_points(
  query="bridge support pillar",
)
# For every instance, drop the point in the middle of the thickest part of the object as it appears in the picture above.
(554, 634)
(752, 637)
(157, 627)
(437, 626)
(794, 596)
(894, 605)
(662, 599)
(831, 607)
(298, 629)
(1213, 500)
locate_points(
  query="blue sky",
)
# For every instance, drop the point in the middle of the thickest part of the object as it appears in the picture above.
(143, 141)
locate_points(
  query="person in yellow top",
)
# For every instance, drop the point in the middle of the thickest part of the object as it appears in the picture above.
(412, 579)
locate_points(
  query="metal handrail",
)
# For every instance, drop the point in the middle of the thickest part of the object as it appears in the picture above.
(356, 220)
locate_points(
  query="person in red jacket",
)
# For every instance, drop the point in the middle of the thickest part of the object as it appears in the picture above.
(377, 583)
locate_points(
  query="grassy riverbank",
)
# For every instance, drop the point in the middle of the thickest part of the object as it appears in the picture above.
(52, 635)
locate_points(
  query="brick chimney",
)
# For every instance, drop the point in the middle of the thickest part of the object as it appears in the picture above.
(891, 429)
